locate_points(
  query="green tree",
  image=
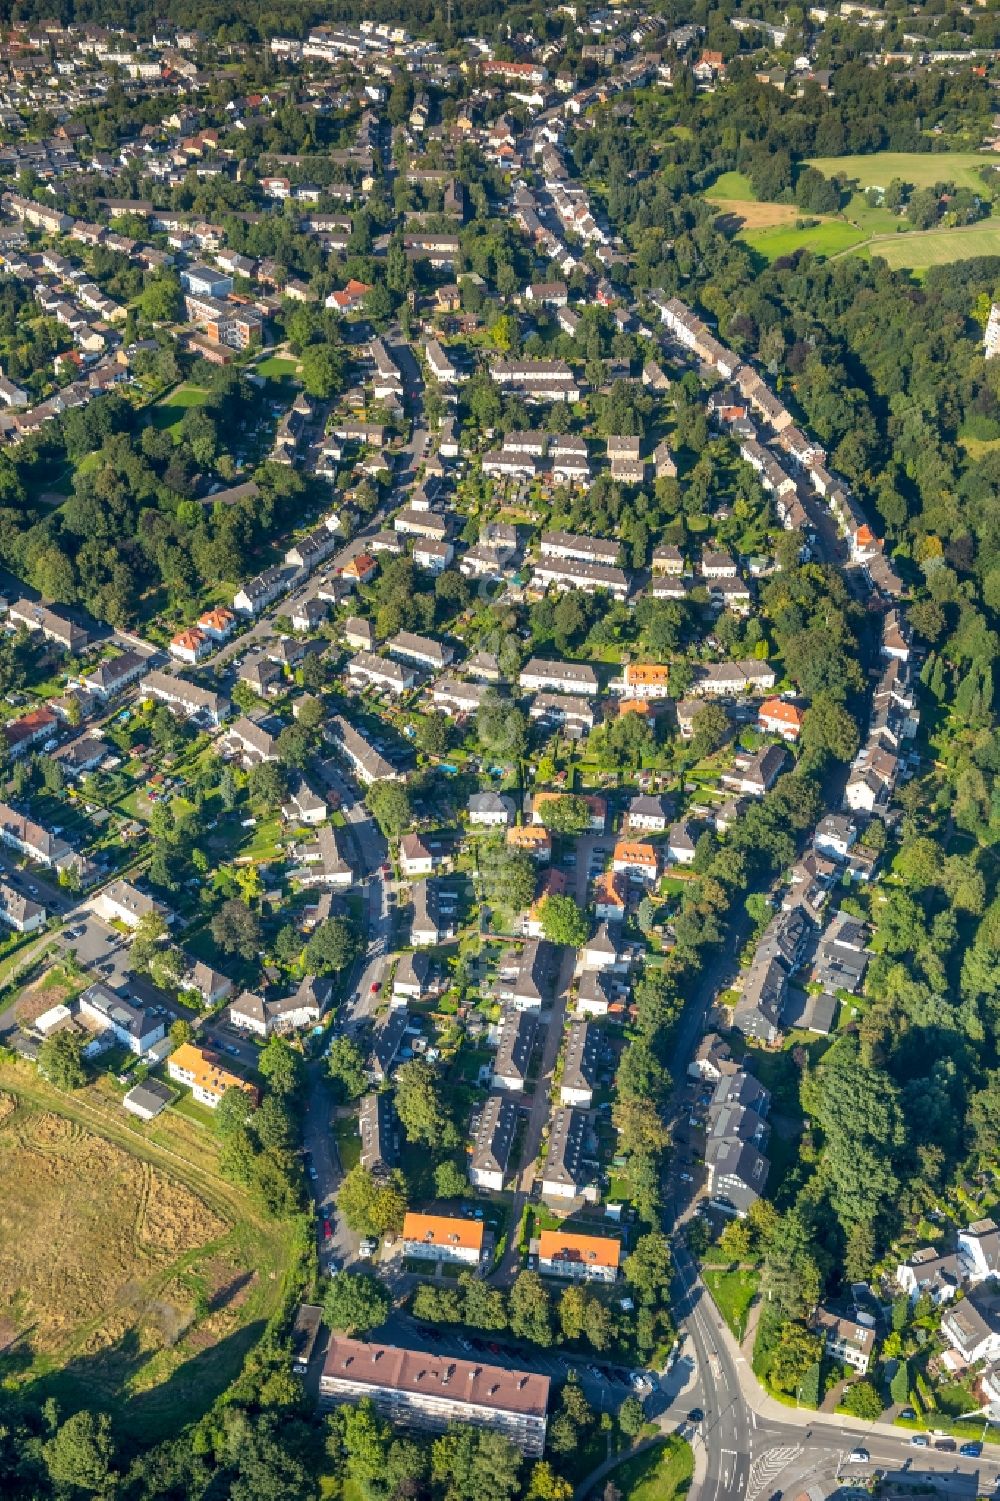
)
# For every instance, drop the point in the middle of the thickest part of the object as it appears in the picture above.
(81, 1453)
(502, 728)
(363, 1438)
(356, 1302)
(419, 1107)
(863, 1401)
(236, 929)
(797, 1350)
(390, 806)
(711, 729)
(60, 1060)
(530, 1309)
(565, 814)
(631, 1417)
(322, 371)
(281, 1065)
(233, 1111)
(449, 1181)
(346, 1066)
(483, 1306)
(648, 1267)
(476, 1464)
(267, 785)
(563, 921)
(333, 946)
(370, 1205)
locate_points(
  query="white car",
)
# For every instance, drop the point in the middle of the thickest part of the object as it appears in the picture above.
(858, 1457)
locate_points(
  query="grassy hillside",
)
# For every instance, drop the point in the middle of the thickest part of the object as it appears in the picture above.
(131, 1274)
(922, 170)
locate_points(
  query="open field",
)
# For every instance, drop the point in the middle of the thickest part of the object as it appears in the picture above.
(827, 237)
(662, 1473)
(131, 1275)
(918, 251)
(169, 412)
(753, 215)
(731, 187)
(921, 169)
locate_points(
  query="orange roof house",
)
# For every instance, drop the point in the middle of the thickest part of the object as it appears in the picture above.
(189, 644)
(351, 296)
(362, 568)
(204, 1075)
(533, 838)
(589, 1257)
(635, 857)
(217, 622)
(610, 893)
(443, 1236)
(647, 680)
(777, 716)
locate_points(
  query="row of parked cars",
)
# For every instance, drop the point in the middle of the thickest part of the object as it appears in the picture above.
(639, 1381)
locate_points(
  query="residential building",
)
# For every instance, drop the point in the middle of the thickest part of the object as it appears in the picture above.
(581, 1064)
(377, 1128)
(135, 1026)
(365, 670)
(776, 716)
(386, 1043)
(491, 1146)
(187, 699)
(515, 1044)
(979, 1251)
(410, 1388)
(972, 1327)
(491, 810)
(366, 761)
(122, 902)
(50, 623)
(570, 1169)
(539, 675)
(647, 814)
(583, 1258)
(19, 912)
(439, 1237)
(637, 860)
(205, 1075)
(936, 1273)
(845, 1341)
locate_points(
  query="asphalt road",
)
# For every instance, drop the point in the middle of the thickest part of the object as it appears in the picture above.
(754, 1446)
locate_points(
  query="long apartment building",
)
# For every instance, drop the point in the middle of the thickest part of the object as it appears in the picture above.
(417, 1390)
(543, 676)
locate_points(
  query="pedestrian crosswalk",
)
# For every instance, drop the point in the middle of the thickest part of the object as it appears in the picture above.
(768, 1466)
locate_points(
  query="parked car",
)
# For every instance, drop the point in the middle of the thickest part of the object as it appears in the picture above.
(858, 1457)
(971, 1451)
(920, 1441)
(948, 1445)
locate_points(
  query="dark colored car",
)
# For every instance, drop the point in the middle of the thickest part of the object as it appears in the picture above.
(696, 1415)
(971, 1451)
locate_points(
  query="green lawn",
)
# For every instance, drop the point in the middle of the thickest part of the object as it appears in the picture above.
(168, 413)
(921, 169)
(662, 1473)
(733, 1292)
(345, 1130)
(732, 186)
(937, 247)
(829, 237)
(277, 365)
